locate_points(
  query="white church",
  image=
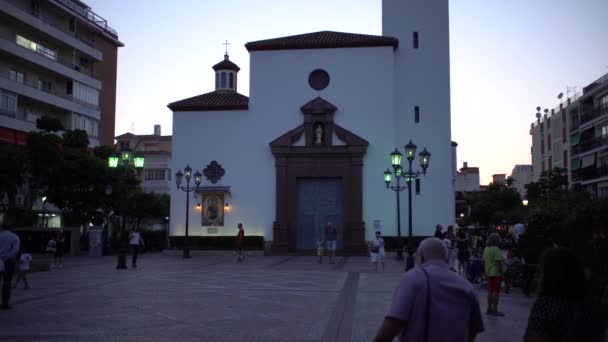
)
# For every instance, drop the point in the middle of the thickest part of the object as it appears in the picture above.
(311, 142)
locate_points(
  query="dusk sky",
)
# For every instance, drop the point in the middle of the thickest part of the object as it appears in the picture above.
(507, 57)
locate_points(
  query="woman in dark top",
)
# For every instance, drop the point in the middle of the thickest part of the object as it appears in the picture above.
(464, 253)
(561, 313)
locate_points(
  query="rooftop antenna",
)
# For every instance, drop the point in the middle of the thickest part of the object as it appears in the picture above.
(570, 90)
(132, 127)
(226, 45)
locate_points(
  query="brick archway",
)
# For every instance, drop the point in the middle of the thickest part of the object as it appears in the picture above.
(319, 158)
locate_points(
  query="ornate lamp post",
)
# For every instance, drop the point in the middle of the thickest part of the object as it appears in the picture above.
(187, 189)
(127, 157)
(408, 175)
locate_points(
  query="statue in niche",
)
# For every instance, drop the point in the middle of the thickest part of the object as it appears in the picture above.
(212, 208)
(319, 134)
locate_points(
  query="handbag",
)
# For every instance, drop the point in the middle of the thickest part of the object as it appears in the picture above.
(427, 314)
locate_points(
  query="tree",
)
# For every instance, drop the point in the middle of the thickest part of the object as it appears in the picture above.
(495, 205)
(43, 157)
(78, 139)
(12, 167)
(49, 124)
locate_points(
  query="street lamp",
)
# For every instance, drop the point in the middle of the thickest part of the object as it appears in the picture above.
(44, 219)
(187, 189)
(127, 157)
(408, 175)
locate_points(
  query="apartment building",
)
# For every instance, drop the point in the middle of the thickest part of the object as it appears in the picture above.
(57, 58)
(521, 176)
(156, 149)
(467, 181)
(575, 136)
(589, 139)
(550, 147)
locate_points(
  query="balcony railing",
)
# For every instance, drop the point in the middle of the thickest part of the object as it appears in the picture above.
(91, 16)
(593, 113)
(588, 145)
(53, 90)
(59, 60)
(589, 173)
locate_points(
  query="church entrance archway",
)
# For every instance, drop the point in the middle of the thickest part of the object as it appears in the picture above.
(319, 161)
(319, 202)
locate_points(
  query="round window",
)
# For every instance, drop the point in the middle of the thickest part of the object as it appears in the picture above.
(318, 79)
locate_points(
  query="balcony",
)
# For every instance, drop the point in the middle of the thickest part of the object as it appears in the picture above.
(590, 173)
(91, 16)
(588, 145)
(72, 39)
(594, 113)
(68, 70)
(51, 97)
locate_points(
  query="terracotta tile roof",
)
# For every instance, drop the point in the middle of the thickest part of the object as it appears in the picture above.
(322, 40)
(216, 100)
(226, 64)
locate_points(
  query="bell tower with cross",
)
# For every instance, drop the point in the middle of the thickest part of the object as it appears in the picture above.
(226, 72)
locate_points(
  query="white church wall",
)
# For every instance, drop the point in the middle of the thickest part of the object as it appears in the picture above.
(360, 86)
(423, 79)
(233, 140)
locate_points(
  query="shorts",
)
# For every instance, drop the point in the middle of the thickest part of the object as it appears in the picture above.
(331, 245)
(494, 284)
(377, 257)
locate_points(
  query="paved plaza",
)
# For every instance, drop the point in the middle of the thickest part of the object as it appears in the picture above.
(212, 298)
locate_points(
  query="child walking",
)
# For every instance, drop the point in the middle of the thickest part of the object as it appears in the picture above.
(320, 248)
(24, 267)
(376, 250)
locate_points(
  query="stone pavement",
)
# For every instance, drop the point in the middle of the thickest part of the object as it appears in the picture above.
(212, 298)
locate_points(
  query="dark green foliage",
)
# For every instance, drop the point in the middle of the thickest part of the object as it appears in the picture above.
(49, 124)
(76, 139)
(496, 205)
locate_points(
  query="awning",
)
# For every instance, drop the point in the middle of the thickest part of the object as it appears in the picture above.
(576, 164)
(588, 160)
(575, 138)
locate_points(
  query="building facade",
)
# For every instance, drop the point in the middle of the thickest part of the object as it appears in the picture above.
(311, 142)
(589, 139)
(156, 150)
(467, 181)
(58, 58)
(521, 176)
(574, 136)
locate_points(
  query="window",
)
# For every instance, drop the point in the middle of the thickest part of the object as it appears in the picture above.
(542, 147)
(89, 125)
(217, 80)
(85, 93)
(415, 40)
(417, 186)
(8, 101)
(564, 134)
(231, 81)
(549, 142)
(604, 131)
(154, 174)
(550, 164)
(45, 86)
(72, 27)
(223, 80)
(17, 76)
(417, 114)
(604, 101)
(548, 123)
(37, 48)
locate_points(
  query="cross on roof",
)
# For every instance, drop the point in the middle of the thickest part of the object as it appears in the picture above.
(226, 44)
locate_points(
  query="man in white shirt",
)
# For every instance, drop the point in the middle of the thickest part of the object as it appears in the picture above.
(135, 241)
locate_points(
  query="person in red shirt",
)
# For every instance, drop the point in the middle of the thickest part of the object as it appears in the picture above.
(240, 236)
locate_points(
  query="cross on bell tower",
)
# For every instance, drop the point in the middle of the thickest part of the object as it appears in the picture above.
(226, 45)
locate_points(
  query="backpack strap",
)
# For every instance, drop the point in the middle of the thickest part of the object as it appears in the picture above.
(427, 316)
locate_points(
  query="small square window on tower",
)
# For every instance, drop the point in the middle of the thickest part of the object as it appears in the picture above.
(415, 40)
(417, 114)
